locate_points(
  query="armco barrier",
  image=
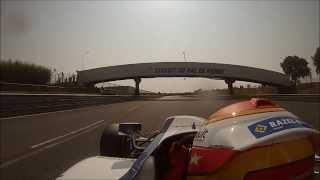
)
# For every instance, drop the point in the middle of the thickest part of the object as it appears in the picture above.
(12, 104)
(22, 104)
(292, 97)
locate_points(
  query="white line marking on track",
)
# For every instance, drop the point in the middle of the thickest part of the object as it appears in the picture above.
(133, 108)
(48, 144)
(68, 134)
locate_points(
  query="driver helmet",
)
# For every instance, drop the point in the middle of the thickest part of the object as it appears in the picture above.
(253, 139)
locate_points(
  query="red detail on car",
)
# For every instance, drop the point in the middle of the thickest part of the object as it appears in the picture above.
(206, 160)
(260, 102)
(254, 103)
(178, 160)
(302, 169)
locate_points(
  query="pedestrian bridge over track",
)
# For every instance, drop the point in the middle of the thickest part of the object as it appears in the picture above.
(229, 73)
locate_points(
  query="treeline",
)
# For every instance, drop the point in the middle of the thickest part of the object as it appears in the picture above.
(297, 67)
(64, 79)
(22, 72)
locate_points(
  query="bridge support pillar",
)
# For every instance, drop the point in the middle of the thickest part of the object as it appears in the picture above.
(137, 90)
(230, 87)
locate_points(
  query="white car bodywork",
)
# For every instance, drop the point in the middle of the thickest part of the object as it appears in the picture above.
(98, 167)
(113, 168)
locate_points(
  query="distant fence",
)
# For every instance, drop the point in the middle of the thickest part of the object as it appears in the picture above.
(292, 97)
(35, 88)
(13, 104)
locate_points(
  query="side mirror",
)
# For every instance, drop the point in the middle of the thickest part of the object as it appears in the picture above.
(130, 128)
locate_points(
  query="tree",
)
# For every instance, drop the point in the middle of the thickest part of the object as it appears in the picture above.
(316, 60)
(296, 67)
(22, 72)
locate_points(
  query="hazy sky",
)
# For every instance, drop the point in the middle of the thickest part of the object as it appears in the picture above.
(60, 34)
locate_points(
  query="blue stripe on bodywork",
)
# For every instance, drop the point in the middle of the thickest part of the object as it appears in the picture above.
(138, 164)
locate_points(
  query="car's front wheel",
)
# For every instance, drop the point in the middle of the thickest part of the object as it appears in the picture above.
(113, 143)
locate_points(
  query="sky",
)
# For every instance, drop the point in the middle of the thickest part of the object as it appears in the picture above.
(75, 35)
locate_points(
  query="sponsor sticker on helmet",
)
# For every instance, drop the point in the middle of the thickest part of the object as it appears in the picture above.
(275, 124)
(200, 137)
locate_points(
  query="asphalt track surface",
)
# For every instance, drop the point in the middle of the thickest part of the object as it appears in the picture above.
(42, 146)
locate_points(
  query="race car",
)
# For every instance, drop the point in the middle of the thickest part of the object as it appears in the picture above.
(253, 139)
